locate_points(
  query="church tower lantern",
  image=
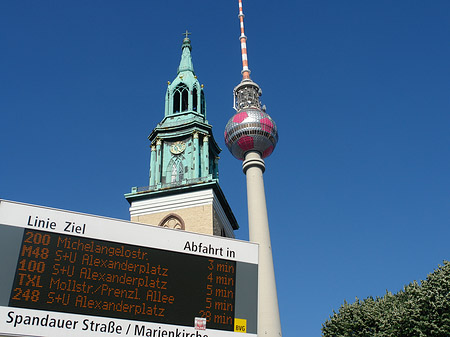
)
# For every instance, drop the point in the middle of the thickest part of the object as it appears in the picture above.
(183, 149)
(183, 190)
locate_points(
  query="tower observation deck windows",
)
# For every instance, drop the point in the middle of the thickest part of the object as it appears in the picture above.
(180, 98)
(247, 97)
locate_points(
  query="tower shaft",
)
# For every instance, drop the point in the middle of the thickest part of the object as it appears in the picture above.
(268, 313)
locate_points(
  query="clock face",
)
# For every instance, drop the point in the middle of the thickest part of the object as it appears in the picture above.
(177, 147)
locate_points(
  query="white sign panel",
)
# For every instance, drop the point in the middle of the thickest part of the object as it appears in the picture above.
(83, 275)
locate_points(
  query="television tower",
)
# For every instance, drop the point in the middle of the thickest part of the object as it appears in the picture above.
(251, 135)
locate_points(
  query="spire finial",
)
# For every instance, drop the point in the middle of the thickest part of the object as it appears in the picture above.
(187, 34)
(243, 38)
(186, 61)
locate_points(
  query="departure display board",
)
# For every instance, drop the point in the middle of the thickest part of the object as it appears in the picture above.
(84, 275)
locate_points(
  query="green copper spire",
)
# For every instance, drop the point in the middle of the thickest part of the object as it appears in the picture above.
(186, 60)
(185, 94)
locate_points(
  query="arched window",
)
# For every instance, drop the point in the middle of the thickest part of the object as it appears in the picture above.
(202, 102)
(195, 100)
(175, 170)
(176, 102)
(184, 100)
(180, 98)
(172, 221)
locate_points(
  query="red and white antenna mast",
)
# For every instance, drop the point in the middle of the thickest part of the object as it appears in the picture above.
(243, 38)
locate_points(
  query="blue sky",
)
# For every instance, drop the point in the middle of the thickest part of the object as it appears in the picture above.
(358, 186)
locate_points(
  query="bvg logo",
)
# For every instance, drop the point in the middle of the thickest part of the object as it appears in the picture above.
(240, 325)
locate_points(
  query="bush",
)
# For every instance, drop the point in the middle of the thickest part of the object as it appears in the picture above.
(419, 310)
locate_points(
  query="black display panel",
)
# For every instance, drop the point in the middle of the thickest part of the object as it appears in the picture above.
(78, 275)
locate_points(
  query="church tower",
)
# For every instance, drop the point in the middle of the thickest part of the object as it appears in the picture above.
(184, 191)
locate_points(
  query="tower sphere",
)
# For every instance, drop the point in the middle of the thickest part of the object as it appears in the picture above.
(251, 129)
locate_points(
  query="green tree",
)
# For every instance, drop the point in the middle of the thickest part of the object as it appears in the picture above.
(419, 310)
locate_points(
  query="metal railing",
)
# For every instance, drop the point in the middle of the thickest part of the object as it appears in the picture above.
(184, 182)
(176, 121)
